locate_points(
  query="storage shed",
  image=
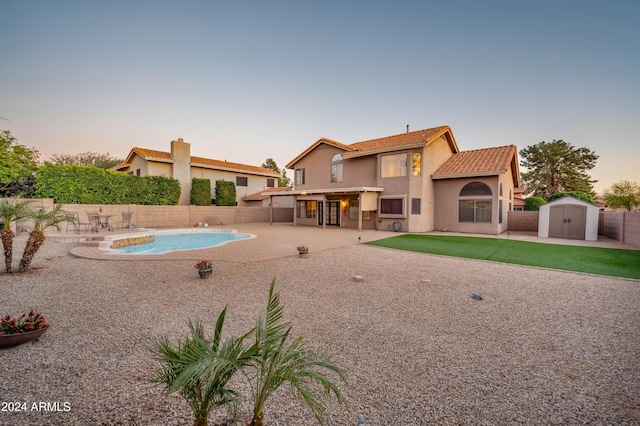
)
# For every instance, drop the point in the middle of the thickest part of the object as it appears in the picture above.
(569, 218)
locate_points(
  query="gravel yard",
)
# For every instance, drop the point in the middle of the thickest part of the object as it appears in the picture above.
(542, 347)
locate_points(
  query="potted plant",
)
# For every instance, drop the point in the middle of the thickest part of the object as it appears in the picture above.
(205, 268)
(24, 329)
(303, 250)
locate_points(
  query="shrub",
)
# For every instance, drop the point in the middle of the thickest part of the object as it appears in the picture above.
(533, 204)
(225, 193)
(200, 192)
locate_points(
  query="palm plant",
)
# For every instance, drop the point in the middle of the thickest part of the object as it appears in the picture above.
(277, 362)
(200, 369)
(42, 220)
(10, 212)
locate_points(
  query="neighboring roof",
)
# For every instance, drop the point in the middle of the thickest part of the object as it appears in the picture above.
(481, 162)
(165, 157)
(259, 196)
(398, 142)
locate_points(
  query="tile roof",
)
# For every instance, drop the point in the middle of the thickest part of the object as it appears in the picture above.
(400, 141)
(478, 162)
(389, 143)
(153, 155)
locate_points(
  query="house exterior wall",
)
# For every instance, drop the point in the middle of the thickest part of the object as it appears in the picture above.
(255, 183)
(447, 206)
(591, 225)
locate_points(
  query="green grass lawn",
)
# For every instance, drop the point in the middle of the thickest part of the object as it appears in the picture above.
(593, 260)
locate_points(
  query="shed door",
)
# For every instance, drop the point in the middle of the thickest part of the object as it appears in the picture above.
(567, 221)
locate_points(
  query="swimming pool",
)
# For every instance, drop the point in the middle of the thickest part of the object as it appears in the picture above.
(185, 239)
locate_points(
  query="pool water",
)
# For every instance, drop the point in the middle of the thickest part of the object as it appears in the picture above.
(172, 241)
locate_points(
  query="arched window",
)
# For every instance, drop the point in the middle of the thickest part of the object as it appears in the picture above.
(475, 203)
(336, 168)
(475, 189)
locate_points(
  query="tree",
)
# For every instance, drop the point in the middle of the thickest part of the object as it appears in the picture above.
(103, 161)
(18, 164)
(10, 211)
(42, 220)
(622, 194)
(283, 180)
(557, 167)
(532, 204)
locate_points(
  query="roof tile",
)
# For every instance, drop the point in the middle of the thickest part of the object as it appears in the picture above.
(477, 162)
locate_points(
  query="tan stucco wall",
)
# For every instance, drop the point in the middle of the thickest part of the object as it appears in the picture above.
(446, 206)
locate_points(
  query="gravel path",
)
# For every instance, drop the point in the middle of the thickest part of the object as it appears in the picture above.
(542, 347)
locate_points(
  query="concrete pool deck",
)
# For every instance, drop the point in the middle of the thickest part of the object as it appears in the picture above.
(281, 240)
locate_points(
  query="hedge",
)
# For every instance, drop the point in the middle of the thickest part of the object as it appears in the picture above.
(225, 193)
(200, 192)
(71, 184)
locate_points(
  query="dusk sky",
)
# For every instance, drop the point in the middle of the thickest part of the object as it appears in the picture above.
(244, 81)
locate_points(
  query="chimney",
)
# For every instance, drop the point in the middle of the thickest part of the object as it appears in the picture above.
(407, 128)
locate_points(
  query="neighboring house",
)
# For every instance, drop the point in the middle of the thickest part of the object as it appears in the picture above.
(416, 181)
(179, 164)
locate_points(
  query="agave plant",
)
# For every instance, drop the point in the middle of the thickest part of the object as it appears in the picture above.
(200, 369)
(42, 220)
(278, 361)
(11, 212)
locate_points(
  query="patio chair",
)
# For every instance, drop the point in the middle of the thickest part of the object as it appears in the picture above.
(94, 221)
(126, 220)
(76, 223)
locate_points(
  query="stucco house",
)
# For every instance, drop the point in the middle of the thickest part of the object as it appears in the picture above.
(415, 181)
(180, 165)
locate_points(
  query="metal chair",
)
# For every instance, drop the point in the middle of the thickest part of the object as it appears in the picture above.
(76, 223)
(94, 221)
(126, 220)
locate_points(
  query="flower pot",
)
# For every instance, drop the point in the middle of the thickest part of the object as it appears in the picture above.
(205, 273)
(304, 253)
(8, 340)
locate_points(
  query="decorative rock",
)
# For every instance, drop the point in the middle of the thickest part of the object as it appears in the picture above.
(358, 278)
(361, 420)
(476, 296)
(425, 280)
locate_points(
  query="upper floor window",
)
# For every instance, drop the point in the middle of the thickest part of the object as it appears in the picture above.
(270, 182)
(416, 164)
(336, 168)
(242, 181)
(394, 165)
(299, 176)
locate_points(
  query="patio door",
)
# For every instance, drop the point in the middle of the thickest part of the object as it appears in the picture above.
(333, 213)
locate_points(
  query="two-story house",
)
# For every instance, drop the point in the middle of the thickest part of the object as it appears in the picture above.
(415, 181)
(180, 165)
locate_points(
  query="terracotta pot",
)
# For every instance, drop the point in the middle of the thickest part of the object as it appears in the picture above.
(8, 340)
(304, 253)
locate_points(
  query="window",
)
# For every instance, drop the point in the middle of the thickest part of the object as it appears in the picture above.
(336, 169)
(392, 207)
(416, 161)
(393, 165)
(415, 205)
(242, 181)
(137, 172)
(500, 211)
(270, 183)
(354, 205)
(307, 209)
(475, 203)
(299, 176)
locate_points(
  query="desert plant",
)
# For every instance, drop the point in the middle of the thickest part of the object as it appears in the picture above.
(26, 322)
(278, 361)
(42, 219)
(200, 369)
(9, 213)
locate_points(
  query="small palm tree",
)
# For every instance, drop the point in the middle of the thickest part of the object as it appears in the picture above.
(10, 212)
(200, 369)
(42, 220)
(277, 362)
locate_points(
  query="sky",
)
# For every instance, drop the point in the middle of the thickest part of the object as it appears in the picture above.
(244, 81)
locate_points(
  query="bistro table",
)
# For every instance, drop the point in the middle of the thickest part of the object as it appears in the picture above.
(103, 222)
